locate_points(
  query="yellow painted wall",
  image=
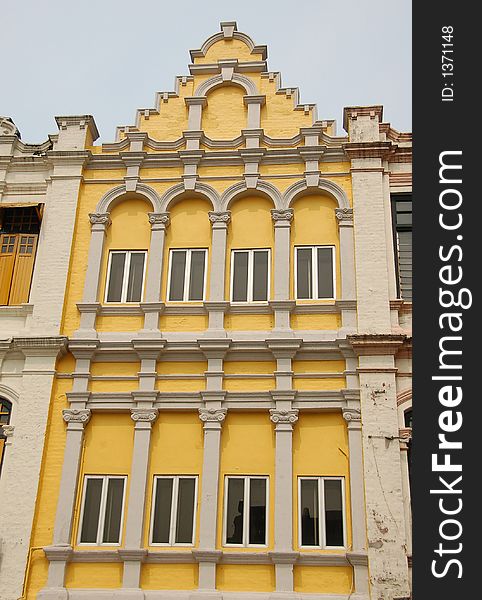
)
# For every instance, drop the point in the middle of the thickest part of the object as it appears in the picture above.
(251, 227)
(326, 580)
(249, 383)
(49, 483)
(176, 449)
(225, 114)
(245, 578)
(108, 446)
(189, 228)
(314, 223)
(130, 230)
(240, 458)
(169, 577)
(94, 575)
(317, 322)
(230, 48)
(320, 448)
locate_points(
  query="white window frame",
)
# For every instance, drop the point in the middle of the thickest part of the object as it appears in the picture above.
(174, 500)
(103, 499)
(125, 276)
(249, 298)
(321, 509)
(187, 273)
(247, 485)
(314, 271)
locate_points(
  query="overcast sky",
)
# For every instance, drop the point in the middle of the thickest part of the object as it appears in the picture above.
(109, 57)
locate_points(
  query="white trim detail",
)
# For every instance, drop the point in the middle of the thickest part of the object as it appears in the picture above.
(213, 82)
(324, 185)
(261, 186)
(111, 198)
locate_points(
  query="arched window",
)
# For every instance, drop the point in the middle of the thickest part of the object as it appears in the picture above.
(5, 412)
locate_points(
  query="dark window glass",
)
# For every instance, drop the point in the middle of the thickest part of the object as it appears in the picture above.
(162, 511)
(185, 511)
(20, 220)
(136, 276)
(235, 511)
(196, 278)
(90, 520)
(260, 275)
(113, 511)
(257, 511)
(178, 269)
(240, 277)
(402, 235)
(304, 283)
(333, 512)
(117, 262)
(325, 272)
(309, 513)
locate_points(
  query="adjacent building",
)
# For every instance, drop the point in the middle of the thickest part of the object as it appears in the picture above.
(225, 304)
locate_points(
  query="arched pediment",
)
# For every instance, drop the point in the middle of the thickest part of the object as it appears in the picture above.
(213, 82)
(113, 196)
(241, 188)
(324, 185)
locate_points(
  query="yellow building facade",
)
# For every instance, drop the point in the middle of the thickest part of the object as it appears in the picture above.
(231, 316)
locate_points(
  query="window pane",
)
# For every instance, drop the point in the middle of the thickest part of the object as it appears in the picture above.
(333, 513)
(234, 520)
(260, 275)
(304, 283)
(113, 511)
(257, 511)
(117, 263)
(240, 278)
(309, 513)
(178, 267)
(90, 521)
(162, 512)
(185, 511)
(136, 275)
(325, 273)
(196, 277)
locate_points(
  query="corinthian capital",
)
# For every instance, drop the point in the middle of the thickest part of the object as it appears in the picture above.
(100, 219)
(283, 415)
(285, 214)
(76, 415)
(145, 415)
(210, 415)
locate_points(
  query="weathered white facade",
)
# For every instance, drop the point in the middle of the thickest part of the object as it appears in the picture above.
(46, 175)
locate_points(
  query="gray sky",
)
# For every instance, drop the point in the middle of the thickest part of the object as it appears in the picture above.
(109, 57)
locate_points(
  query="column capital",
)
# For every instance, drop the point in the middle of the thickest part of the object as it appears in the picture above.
(101, 221)
(144, 415)
(344, 216)
(405, 437)
(159, 219)
(212, 415)
(217, 218)
(255, 99)
(196, 101)
(7, 430)
(76, 415)
(282, 216)
(283, 416)
(352, 415)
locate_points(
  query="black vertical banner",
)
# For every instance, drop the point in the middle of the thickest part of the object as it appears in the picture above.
(447, 328)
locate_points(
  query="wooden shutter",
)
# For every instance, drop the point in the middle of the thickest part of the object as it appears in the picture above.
(8, 252)
(22, 273)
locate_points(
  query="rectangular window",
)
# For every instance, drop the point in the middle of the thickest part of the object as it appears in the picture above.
(402, 236)
(125, 276)
(315, 272)
(250, 273)
(187, 275)
(102, 510)
(245, 513)
(321, 502)
(173, 511)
